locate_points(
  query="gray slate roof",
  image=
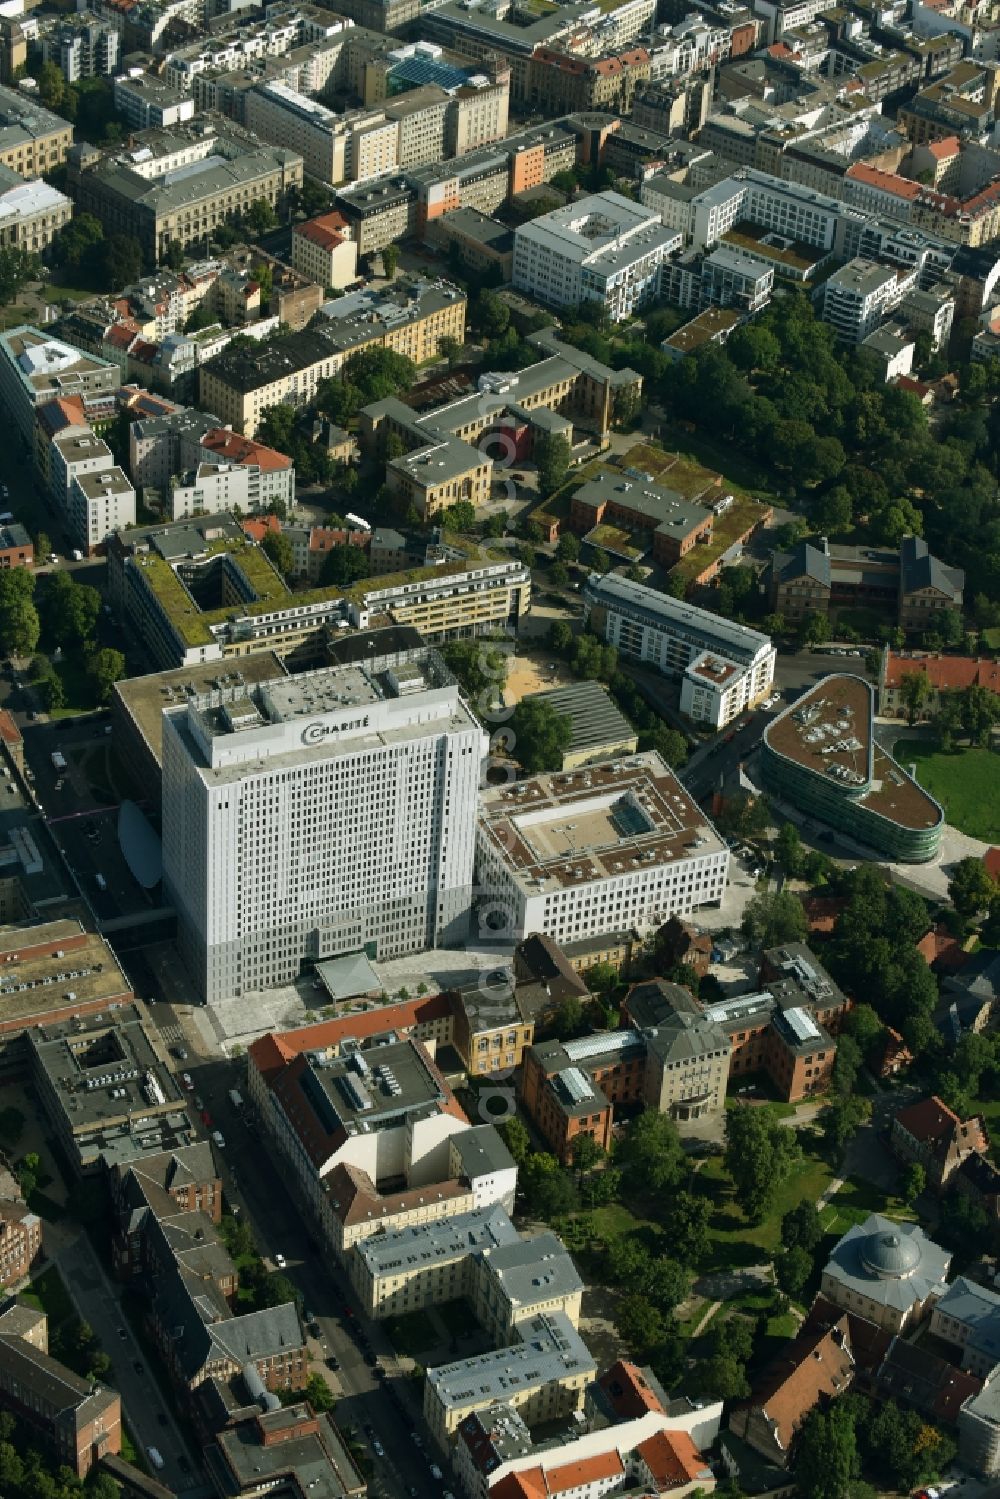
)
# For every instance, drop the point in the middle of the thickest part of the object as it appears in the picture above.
(920, 570)
(911, 1266)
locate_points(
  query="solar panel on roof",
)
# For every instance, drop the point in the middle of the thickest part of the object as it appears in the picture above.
(414, 71)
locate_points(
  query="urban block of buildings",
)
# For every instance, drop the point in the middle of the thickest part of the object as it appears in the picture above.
(724, 667)
(619, 844)
(821, 755)
(911, 582)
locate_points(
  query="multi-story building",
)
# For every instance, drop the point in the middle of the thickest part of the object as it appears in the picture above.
(255, 853)
(490, 1033)
(334, 147)
(270, 474)
(31, 213)
(943, 674)
(604, 248)
(378, 213)
(74, 452)
(97, 506)
(979, 1430)
(147, 101)
(81, 46)
(859, 295)
(33, 140)
(410, 317)
(968, 1316)
(724, 667)
(821, 756)
(595, 850)
(35, 369)
(78, 1420)
(889, 1273)
(137, 193)
(107, 1092)
(323, 250)
(483, 243)
(911, 583)
(559, 82)
(189, 1178)
(20, 1233)
(266, 1452)
(933, 1135)
(613, 499)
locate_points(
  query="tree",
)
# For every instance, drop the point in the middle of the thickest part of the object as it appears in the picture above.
(19, 623)
(760, 1154)
(650, 1153)
(103, 1486)
(914, 691)
(788, 848)
(666, 1283)
(548, 1189)
(390, 260)
(913, 1183)
(43, 546)
(343, 566)
(833, 511)
(842, 1118)
(105, 667)
(71, 610)
(461, 516)
(559, 574)
(552, 454)
(260, 217)
(481, 669)
(516, 1138)
(491, 315)
(568, 547)
(117, 262)
(541, 735)
(815, 629)
(569, 1021)
(278, 547)
(826, 1454)
(685, 1227)
(451, 349)
(971, 888)
(585, 1154)
(600, 561)
(773, 918)
(639, 1324)
(793, 1269)
(379, 373)
(17, 268)
(174, 255)
(722, 1376)
(319, 1394)
(980, 710)
(801, 1226)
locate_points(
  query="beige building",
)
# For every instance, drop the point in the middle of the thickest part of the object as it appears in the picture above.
(420, 116)
(240, 383)
(33, 140)
(323, 250)
(379, 213)
(373, 149)
(31, 213)
(478, 115)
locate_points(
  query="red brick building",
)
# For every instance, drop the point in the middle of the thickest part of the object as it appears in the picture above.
(932, 1135)
(20, 1232)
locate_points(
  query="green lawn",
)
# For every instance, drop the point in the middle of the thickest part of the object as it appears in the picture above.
(77, 686)
(48, 1293)
(855, 1201)
(964, 782)
(736, 1242)
(991, 638)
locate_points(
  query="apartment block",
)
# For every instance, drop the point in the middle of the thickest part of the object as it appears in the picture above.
(97, 506)
(148, 101)
(36, 369)
(560, 82)
(410, 317)
(81, 46)
(378, 213)
(859, 295)
(33, 140)
(323, 250)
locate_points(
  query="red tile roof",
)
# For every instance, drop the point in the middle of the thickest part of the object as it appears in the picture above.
(236, 448)
(943, 150)
(275, 1050)
(9, 731)
(945, 671)
(629, 1392)
(540, 1483)
(941, 949)
(991, 859)
(902, 187)
(259, 527)
(672, 1459)
(932, 1122)
(822, 911)
(813, 1367)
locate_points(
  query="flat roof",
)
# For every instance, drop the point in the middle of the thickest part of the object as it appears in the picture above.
(595, 721)
(666, 512)
(422, 1245)
(829, 731)
(550, 1350)
(145, 698)
(555, 831)
(699, 627)
(34, 984)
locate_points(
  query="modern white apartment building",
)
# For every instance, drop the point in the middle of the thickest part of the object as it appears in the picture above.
(606, 848)
(860, 295)
(604, 248)
(98, 505)
(320, 814)
(724, 666)
(75, 452)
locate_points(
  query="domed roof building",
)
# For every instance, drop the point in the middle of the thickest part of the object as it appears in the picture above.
(891, 1273)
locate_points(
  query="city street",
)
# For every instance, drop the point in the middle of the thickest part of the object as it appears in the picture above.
(146, 1413)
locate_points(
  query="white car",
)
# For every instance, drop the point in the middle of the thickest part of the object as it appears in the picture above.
(219, 1138)
(377, 1447)
(154, 1457)
(280, 1261)
(187, 1082)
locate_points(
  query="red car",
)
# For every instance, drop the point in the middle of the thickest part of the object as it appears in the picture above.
(206, 1119)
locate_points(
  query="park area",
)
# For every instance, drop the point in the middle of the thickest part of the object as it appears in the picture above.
(964, 781)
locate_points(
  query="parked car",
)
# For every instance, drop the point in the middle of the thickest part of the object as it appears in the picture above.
(187, 1082)
(280, 1261)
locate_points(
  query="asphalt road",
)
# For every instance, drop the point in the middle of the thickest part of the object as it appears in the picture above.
(148, 1416)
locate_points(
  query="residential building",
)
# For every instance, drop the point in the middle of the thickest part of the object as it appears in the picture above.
(821, 755)
(106, 1091)
(543, 1375)
(979, 1431)
(642, 851)
(889, 1273)
(559, 82)
(81, 46)
(97, 506)
(544, 977)
(604, 248)
(16, 547)
(150, 102)
(323, 250)
(724, 667)
(682, 943)
(20, 1233)
(35, 369)
(968, 1316)
(378, 213)
(811, 1370)
(857, 297)
(933, 1136)
(33, 140)
(78, 1420)
(270, 474)
(291, 1447)
(235, 825)
(410, 317)
(31, 213)
(183, 1181)
(136, 193)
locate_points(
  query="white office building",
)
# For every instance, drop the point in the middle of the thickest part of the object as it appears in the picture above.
(97, 505)
(607, 848)
(859, 295)
(724, 667)
(604, 248)
(319, 814)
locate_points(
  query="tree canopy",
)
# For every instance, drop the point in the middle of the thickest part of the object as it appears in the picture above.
(541, 735)
(760, 1155)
